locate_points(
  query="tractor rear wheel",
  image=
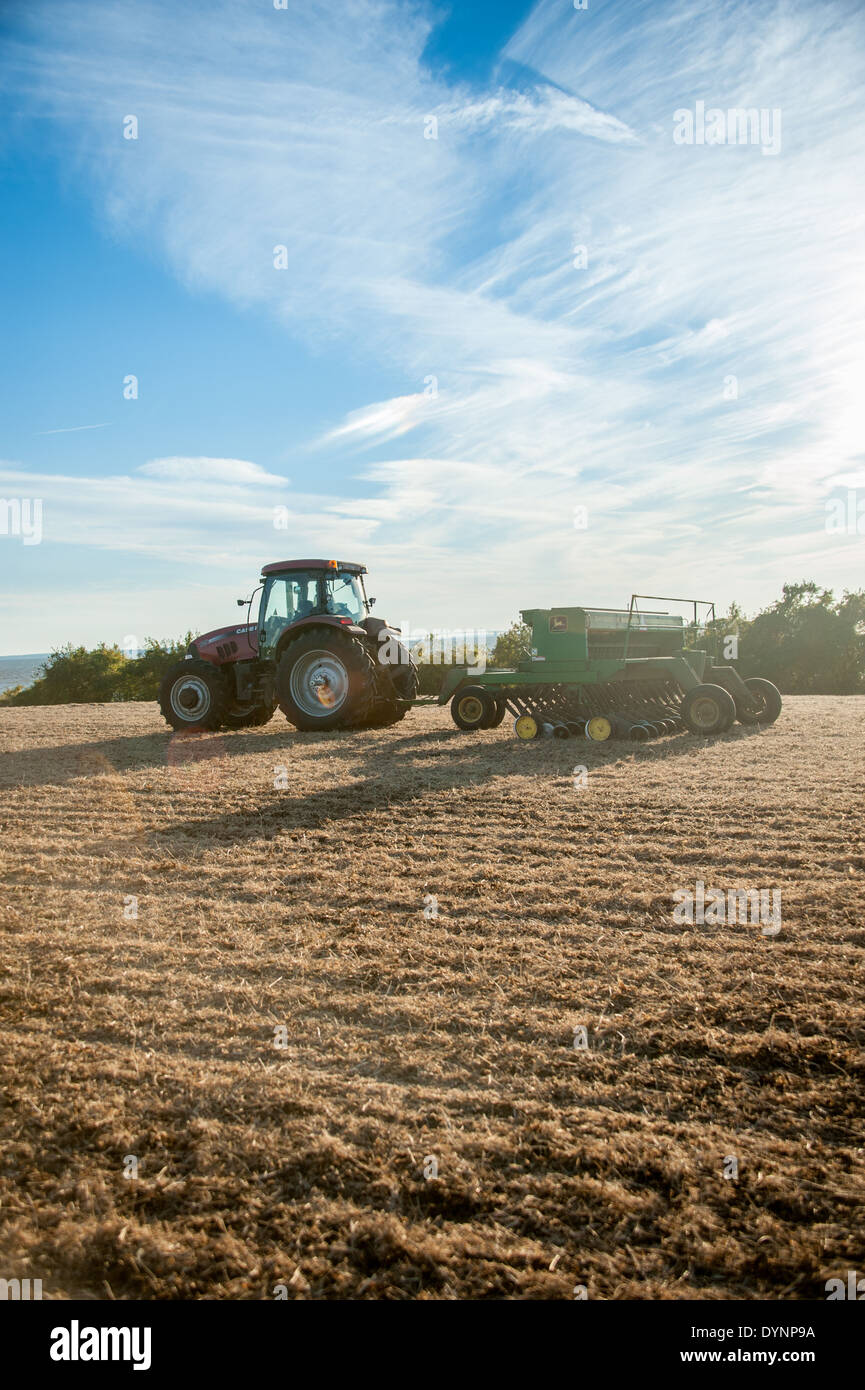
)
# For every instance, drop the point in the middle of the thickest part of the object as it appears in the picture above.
(471, 707)
(769, 697)
(326, 679)
(251, 718)
(405, 680)
(192, 695)
(708, 709)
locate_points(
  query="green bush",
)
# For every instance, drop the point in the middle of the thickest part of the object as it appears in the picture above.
(808, 643)
(430, 678)
(74, 675)
(434, 661)
(512, 646)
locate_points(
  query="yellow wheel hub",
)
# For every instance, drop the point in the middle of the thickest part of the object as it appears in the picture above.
(526, 726)
(705, 713)
(598, 728)
(471, 709)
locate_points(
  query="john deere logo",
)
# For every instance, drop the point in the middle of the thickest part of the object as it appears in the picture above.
(558, 623)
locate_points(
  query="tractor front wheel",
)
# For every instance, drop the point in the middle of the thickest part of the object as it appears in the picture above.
(708, 709)
(472, 708)
(193, 695)
(768, 696)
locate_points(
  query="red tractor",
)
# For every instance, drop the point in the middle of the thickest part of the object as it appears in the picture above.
(315, 650)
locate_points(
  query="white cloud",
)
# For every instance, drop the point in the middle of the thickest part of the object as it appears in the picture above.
(203, 470)
(384, 420)
(540, 112)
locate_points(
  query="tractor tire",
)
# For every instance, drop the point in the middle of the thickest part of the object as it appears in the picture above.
(329, 671)
(252, 718)
(770, 696)
(383, 714)
(500, 709)
(472, 707)
(708, 709)
(405, 681)
(399, 683)
(193, 695)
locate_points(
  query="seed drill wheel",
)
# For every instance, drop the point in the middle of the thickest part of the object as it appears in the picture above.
(526, 727)
(500, 709)
(769, 697)
(708, 709)
(473, 707)
(598, 728)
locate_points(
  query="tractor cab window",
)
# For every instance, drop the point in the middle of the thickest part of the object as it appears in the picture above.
(344, 596)
(290, 597)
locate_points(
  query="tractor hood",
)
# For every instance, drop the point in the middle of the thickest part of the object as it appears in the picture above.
(235, 643)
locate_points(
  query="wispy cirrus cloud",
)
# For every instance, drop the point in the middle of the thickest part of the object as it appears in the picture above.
(76, 429)
(383, 420)
(540, 112)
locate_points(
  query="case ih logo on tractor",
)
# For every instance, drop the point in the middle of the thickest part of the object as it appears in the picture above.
(315, 650)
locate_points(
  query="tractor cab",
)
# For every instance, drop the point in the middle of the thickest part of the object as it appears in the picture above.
(297, 590)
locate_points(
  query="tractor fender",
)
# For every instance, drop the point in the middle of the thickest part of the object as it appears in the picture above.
(321, 620)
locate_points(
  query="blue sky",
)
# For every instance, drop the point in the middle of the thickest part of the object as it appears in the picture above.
(436, 379)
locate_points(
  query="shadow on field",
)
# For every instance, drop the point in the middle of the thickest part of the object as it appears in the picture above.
(394, 769)
(61, 763)
(407, 769)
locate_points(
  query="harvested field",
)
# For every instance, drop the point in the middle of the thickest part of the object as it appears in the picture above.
(430, 915)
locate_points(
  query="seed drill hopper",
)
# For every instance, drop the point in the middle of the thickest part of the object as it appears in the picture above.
(623, 673)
